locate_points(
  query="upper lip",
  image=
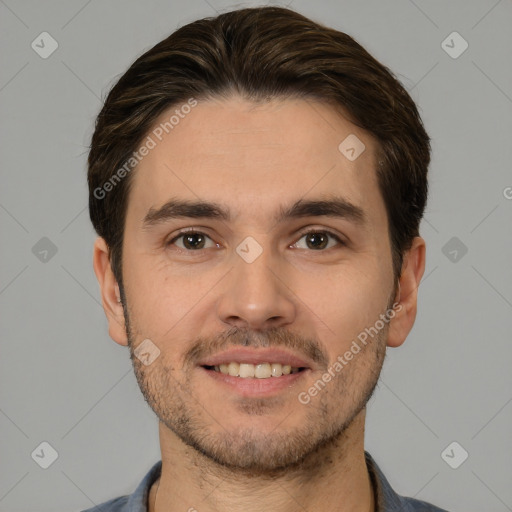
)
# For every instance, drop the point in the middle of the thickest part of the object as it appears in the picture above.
(256, 356)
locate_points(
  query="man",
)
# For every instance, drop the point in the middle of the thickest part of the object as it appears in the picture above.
(257, 181)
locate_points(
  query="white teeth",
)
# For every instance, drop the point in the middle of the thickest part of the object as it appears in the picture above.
(259, 371)
(262, 371)
(277, 370)
(233, 369)
(246, 370)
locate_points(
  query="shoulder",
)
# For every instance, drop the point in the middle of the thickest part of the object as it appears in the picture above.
(414, 505)
(387, 499)
(115, 505)
(136, 502)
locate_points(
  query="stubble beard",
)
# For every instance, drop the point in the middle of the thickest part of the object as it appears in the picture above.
(320, 425)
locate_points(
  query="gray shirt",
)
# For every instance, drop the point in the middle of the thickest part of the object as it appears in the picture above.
(386, 498)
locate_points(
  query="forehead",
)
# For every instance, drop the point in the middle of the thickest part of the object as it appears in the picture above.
(255, 158)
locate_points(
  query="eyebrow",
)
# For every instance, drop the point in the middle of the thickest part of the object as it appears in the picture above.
(337, 207)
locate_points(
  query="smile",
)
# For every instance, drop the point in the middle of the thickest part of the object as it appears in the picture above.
(258, 371)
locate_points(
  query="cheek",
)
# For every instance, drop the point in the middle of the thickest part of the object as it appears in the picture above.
(171, 303)
(167, 306)
(341, 305)
(348, 292)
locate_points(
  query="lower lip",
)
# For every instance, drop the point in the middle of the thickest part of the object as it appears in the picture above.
(252, 386)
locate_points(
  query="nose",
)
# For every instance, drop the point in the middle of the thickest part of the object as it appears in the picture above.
(257, 295)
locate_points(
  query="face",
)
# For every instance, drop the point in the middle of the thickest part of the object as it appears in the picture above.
(285, 264)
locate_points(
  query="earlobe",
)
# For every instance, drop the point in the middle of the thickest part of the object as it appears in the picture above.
(110, 293)
(406, 306)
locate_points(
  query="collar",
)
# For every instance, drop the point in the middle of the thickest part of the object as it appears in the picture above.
(386, 499)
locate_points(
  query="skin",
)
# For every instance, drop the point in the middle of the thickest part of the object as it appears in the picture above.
(222, 451)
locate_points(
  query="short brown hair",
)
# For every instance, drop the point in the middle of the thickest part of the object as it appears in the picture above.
(261, 53)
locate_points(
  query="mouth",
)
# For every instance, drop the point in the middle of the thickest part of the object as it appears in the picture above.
(255, 371)
(262, 372)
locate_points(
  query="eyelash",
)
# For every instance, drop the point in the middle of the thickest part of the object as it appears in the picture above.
(192, 231)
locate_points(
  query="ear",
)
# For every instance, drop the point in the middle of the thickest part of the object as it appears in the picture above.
(413, 268)
(110, 294)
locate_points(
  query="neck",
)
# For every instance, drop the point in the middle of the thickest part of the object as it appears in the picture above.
(334, 478)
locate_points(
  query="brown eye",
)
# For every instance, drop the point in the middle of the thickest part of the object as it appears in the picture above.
(318, 240)
(191, 241)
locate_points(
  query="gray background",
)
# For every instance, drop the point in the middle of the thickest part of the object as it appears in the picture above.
(65, 382)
